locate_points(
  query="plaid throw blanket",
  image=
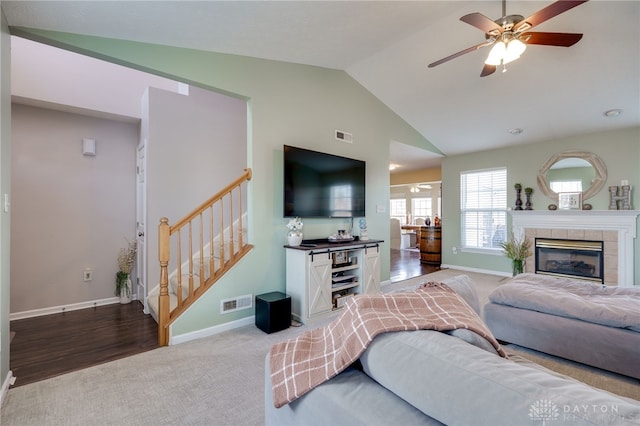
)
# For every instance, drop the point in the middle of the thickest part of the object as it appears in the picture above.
(300, 364)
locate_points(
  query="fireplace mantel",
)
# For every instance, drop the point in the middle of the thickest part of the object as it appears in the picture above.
(621, 221)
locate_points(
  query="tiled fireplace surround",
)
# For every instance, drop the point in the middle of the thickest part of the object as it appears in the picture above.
(617, 228)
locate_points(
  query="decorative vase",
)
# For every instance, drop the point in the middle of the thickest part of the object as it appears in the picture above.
(518, 199)
(518, 266)
(125, 292)
(294, 238)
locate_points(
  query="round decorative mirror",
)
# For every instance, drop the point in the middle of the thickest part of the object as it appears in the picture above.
(572, 171)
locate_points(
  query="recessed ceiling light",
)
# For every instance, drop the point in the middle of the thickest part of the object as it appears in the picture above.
(612, 113)
(516, 131)
(393, 166)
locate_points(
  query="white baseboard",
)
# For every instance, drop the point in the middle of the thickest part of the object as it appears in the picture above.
(479, 271)
(8, 381)
(187, 337)
(64, 308)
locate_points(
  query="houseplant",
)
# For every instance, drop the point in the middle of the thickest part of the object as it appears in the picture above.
(516, 249)
(294, 237)
(126, 258)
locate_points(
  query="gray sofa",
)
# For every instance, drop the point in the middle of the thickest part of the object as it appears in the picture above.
(559, 322)
(433, 378)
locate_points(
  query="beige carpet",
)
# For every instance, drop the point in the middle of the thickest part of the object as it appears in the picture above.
(217, 380)
(611, 382)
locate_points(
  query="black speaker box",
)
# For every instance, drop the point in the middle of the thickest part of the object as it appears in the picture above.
(273, 311)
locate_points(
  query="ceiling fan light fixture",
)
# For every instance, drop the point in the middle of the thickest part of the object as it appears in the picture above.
(496, 54)
(515, 48)
(502, 53)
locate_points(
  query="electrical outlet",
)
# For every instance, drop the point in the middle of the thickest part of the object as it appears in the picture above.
(87, 275)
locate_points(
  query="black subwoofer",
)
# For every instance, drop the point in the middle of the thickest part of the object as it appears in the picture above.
(273, 311)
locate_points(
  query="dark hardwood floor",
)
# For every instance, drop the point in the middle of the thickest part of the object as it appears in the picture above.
(50, 345)
(406, 264)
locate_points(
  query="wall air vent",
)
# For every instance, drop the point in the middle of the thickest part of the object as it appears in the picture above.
(344, 136)
(236, 304)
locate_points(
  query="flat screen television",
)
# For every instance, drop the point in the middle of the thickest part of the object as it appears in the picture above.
(318, 185)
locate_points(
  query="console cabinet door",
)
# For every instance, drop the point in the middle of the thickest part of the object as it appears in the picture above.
(319, 284)
(371, 273)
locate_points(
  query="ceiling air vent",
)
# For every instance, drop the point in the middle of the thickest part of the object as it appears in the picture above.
(344, 136)
(236, 304)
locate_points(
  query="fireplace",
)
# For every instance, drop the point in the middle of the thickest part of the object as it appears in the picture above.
(570, 258)
(616, 228)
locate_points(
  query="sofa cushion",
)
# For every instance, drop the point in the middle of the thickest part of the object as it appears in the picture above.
(473, 339)
(457, 383)
(350, 398)
(463, 285)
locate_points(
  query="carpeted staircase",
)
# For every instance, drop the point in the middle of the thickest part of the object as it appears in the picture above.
(153, 300)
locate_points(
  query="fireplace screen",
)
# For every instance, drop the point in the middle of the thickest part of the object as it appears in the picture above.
(570, 258)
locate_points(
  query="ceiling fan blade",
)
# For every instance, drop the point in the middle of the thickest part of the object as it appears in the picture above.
(551, 39)
(460, 53)
(487, 70)
(483, 23)
(547, 13)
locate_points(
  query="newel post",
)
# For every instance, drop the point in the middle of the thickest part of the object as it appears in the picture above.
(163, 257)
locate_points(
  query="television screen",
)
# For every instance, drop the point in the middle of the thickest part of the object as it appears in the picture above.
(322, 185)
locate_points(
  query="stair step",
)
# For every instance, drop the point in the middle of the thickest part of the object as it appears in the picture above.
(154, 304)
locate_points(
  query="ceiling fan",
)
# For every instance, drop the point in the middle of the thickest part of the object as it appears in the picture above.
(510, 34)
(419, 186)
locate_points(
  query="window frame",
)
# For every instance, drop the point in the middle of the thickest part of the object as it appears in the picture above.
(500, 210)
(429, 208)
(403, 218)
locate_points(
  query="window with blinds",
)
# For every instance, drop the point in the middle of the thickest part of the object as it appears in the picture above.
(483, 208)
(421, 207)
(566, 186)
(398, 210)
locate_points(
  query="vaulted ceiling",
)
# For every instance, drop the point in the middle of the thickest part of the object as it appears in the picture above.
(550, 92)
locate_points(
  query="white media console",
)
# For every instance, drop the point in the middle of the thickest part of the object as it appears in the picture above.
(321, 275)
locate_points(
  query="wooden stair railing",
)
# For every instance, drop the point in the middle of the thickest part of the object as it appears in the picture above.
(218, 245)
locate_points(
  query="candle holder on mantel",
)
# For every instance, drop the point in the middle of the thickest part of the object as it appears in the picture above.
(527, 192)
(518, 189)
(620, 197)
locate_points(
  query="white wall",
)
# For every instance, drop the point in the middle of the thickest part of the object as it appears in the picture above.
(48, 75)
(196, 145)
(69, 211)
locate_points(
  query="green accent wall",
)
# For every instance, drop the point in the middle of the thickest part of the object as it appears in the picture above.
(287, 104)
(5, 188)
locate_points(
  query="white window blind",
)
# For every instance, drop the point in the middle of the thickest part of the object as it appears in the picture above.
(483, 205)
(398, 210)
(566, 186)
(421, 207)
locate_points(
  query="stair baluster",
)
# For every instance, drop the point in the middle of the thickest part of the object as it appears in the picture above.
(199, 281)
